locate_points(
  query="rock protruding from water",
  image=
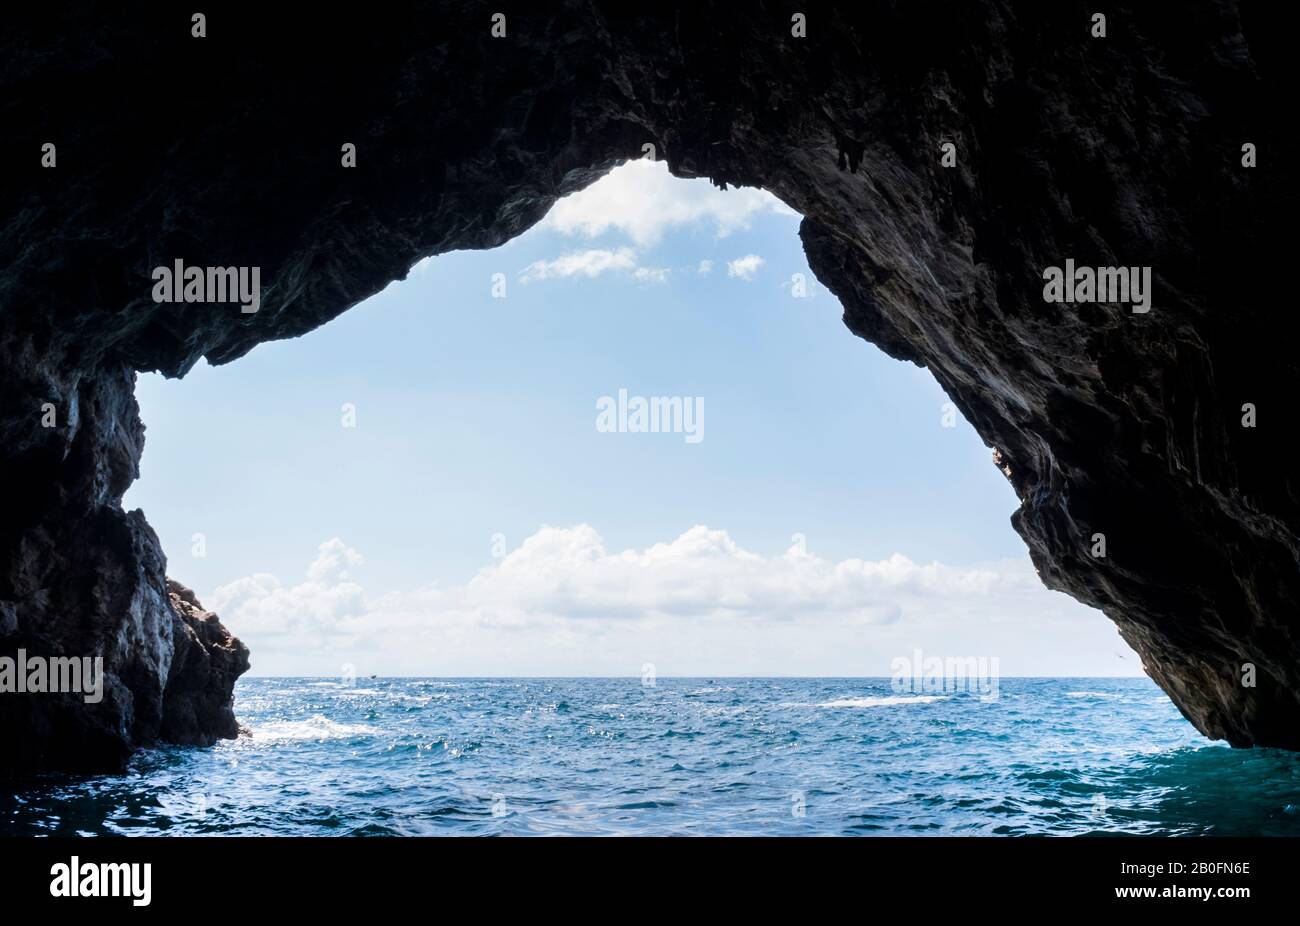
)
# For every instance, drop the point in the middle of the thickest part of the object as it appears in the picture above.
(198, 703)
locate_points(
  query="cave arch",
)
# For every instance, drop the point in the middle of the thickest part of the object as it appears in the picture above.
(455, 421)
(1116, 151)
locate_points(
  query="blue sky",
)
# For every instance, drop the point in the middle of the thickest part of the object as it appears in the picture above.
(474, 520)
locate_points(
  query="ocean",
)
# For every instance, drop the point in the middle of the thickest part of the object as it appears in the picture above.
(725, 756)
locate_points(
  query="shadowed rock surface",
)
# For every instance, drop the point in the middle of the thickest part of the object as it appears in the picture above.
(198, 706)
(225, 151)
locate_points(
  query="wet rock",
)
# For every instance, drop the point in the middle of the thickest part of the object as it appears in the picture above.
(207, 661)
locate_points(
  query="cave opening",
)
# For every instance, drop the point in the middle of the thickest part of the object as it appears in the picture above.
(502, 420)
(426, 480)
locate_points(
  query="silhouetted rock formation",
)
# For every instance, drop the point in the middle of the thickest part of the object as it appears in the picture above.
(226, 151)
(197, 702)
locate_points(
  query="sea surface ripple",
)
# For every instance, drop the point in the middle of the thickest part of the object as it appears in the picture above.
(687, 756)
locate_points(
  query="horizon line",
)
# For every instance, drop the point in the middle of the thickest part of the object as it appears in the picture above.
(735, 677)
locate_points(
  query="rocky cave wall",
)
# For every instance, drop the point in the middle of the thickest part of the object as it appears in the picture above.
(224, 150)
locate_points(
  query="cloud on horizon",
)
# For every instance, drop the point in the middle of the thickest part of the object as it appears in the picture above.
(561, 603)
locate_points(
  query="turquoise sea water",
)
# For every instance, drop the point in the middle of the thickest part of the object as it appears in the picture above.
(687, 756)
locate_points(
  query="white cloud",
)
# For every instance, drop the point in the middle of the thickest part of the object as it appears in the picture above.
(590, 263)
(642, 200)
(326, 604)
(745, 267)
(333, 560)
(705, 267)
(562, 604)
(703, 573)
(651, 274)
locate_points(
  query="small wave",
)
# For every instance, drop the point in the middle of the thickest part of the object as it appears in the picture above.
(1104, 695)
(422, 699)
(316, 727)
(889, 701)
